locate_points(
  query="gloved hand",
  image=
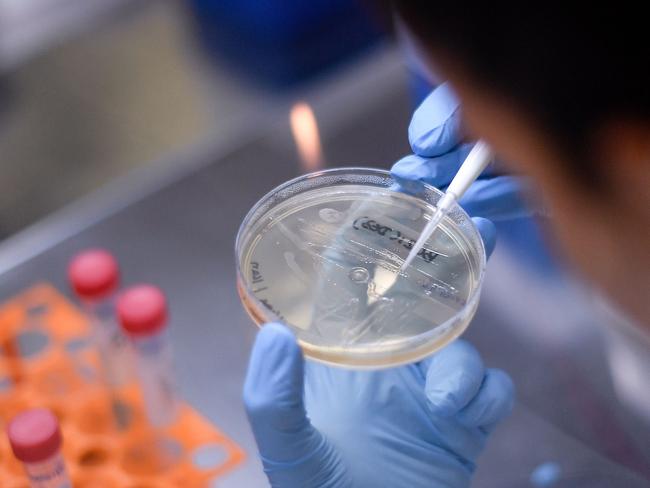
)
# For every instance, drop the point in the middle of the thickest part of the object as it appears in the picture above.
(435, 137)
(421, 425)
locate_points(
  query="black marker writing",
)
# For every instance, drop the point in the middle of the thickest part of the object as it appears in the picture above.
(394, 235)
(266, 303)
(256, 275)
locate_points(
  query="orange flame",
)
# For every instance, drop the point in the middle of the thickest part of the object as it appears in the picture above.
(305, 133)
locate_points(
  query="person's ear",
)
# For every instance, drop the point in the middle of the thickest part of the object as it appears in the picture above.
(625, 162)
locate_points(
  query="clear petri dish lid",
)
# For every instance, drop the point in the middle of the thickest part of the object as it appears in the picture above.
(322, 253)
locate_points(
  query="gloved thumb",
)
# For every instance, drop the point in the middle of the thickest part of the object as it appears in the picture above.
(453, 377)
(488, 233)
(435, 127)
(293, 452)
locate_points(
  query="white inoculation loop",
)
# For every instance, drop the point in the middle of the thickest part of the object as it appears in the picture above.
(477, 159)
(444, 204)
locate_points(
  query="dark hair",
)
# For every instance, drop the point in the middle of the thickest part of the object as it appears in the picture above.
(571, 71)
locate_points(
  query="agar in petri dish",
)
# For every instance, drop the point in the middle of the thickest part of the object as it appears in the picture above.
(322, 254)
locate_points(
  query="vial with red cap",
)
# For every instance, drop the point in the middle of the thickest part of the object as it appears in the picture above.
(35, 440)
(142, 313)
(94, 276)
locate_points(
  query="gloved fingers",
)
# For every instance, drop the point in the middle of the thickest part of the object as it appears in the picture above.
(453, 377)
(293, 452)
(498, 198)
(273, 395)
(436, 124)
(437, 171)
(488, 233)
(493, 402)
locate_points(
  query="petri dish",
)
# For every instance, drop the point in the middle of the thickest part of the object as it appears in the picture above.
(322, 254)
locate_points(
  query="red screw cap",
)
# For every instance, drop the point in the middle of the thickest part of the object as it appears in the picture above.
(93, 274)
(34, 435)
(142, 310)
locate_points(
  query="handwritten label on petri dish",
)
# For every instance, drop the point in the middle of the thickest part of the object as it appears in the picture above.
(393, 235)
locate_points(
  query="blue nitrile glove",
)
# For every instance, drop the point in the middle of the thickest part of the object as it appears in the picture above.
(421, 425)
(435, 137)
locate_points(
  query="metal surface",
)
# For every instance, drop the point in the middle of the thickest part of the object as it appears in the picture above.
(536, 326)
(182, 238)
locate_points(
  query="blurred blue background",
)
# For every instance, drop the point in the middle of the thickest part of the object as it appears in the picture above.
(281, 43)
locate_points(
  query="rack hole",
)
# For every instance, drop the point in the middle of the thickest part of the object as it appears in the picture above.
(32, 342)
(37, 309)
(87, 372)
(77, 344)
(92, 457)
(152, 456)
(209, 456)
(5, 384)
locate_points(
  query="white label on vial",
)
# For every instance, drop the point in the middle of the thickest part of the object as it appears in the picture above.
(154, 362)
(50, 473)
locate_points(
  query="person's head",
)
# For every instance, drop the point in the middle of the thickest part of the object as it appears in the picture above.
(565, 99)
